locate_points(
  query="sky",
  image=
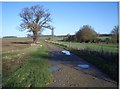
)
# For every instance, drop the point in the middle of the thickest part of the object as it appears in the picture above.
(67, 17)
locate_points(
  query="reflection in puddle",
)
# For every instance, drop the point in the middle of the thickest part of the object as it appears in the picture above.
(85, 66)
(54, 68)
(66, 52)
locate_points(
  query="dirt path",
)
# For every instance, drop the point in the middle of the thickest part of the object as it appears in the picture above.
(70, 75)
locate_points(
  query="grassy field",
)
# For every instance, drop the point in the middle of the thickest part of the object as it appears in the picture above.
(93, 46)
(104, 37)
(26, 66)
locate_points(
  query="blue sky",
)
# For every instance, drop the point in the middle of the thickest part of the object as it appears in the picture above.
(67, 17)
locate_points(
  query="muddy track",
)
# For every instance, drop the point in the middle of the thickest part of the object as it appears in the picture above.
(70, 75)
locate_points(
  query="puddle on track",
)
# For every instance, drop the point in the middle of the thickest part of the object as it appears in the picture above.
(84, 66)
(54, 68)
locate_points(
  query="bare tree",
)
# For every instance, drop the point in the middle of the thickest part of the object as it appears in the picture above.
(35, 19)
(115, 34)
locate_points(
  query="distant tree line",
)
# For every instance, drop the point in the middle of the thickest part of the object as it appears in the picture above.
(10, 37)
(87, 34)
(105, 34)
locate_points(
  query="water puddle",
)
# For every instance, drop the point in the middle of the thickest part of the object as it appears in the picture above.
(54, 68)
(84, 66)
(66, 52)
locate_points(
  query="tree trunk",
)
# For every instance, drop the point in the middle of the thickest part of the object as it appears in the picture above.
(35, 37)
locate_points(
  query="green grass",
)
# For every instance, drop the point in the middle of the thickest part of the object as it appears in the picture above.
(56, 38)
(13, 59)
(33, 72)
(93, 46)
(104, 37)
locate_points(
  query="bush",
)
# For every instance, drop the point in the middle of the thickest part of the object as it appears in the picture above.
(86, 34)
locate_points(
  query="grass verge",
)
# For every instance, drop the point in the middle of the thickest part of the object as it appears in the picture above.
(108, 66)
(33, 72)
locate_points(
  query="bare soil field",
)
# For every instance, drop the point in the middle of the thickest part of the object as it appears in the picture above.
(9, 44)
